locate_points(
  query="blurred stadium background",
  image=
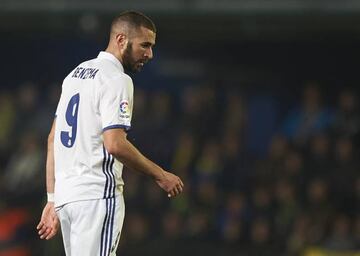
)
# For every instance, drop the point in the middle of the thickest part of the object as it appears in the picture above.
(255, 104)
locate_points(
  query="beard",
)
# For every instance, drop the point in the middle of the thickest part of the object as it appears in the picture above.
(129, 61)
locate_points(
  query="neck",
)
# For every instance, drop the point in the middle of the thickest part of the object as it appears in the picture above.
(114, 52)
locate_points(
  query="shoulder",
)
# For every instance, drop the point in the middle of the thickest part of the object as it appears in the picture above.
(124, 77)
(118, 84)
(120, 80)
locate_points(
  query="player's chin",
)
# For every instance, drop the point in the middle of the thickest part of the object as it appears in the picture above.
(138, 67)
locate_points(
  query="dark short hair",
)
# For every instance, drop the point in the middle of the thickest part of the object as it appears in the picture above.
(135, 20)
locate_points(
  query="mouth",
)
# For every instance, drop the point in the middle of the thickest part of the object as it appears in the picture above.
(142, 62)
(139, 64)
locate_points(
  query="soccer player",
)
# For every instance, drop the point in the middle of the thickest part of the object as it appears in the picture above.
(87, 144)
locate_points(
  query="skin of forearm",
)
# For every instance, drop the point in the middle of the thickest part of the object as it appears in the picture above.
(133, 159)
(50, 176)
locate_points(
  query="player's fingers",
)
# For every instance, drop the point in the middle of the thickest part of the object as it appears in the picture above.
(181, 183)
(43, 233)
(42, 236)
(47, 232)
(51, 234)
(40, 225)
(175, 191)
(42, 230)
(179, 188)
(171, 193)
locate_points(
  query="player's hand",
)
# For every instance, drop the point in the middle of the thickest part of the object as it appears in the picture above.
(49, 223)
(171, 183)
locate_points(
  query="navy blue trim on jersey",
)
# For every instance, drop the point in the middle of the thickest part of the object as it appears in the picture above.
(116, 126)
(107, 238)
(105, 160)
(107, 167)
(103, 233)
(107, 229)
(108, 191)
(112, 191)
(109, 196)
(112, 223)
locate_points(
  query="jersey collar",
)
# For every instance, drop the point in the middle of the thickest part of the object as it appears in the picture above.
(112, 58)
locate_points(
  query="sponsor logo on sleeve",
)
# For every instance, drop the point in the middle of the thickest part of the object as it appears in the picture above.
(124, 109)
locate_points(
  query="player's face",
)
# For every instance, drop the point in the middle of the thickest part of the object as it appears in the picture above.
(139, 49)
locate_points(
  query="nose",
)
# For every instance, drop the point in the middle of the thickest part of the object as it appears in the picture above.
(149, 53)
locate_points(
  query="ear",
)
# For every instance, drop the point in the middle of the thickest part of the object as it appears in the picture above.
(121, 40)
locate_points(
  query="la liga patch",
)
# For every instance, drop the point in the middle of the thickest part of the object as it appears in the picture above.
(124, 109)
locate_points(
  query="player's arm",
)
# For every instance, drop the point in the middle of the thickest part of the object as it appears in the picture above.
(116, 143)
(49, 223)
(50, 173)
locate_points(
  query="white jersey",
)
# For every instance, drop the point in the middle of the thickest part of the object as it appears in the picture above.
(97, 95)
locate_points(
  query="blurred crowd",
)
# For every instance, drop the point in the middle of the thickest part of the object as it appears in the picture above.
(302, 191)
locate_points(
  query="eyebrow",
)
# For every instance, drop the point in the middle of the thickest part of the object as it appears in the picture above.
(148, 43)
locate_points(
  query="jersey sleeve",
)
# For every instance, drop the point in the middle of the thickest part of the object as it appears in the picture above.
(116, 103)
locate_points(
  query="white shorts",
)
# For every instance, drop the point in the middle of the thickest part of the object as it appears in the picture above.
(92, 227)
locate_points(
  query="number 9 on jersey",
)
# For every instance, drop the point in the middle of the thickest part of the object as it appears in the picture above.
(68, 137)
